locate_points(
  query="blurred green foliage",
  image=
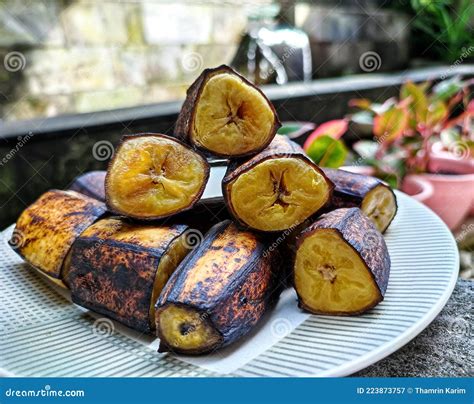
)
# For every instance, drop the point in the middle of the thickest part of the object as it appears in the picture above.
(442, 29)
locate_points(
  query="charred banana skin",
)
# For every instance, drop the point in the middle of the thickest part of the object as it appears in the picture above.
(281, 146)
(115, 278)
(48, 227)
(350, 189)
(365, 239)
(91, 184)
(183, 127)
(241, 290)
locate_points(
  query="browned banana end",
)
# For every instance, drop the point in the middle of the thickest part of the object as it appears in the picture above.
(277, 189)
(342, 264)
(45, 230)
(153, 176)
(226, 115)
(119, 268)
(376, 199)
(90, 184)
(218, 293)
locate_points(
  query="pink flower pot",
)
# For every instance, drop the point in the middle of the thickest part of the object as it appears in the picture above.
(443, 161)
(417, 188)
(452, 198)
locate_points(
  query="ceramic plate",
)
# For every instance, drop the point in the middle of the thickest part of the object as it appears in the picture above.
(43, 334)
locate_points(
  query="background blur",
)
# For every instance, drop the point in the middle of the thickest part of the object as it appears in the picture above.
(76, 75)
(76, 56)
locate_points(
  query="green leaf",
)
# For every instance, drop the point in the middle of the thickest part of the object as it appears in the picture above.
(419, 100)
(287, 129)
(327, 151)
(390, 125)
(437, 112)
(446, 89)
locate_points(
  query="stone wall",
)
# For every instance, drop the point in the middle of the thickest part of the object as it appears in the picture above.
(68, 56)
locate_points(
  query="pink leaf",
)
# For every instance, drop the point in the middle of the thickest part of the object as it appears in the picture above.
(335, 129)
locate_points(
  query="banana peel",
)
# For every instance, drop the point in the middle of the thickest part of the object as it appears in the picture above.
(375, 198)
(91, 184)
(46, 230)
(218, 293)
(118, 268)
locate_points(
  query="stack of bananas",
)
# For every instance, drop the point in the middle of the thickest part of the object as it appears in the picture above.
(125, 248)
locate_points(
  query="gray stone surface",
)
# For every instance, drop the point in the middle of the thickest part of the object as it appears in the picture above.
(444, 349)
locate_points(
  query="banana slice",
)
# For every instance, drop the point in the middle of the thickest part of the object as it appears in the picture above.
(380, 205)
(342, 264)
(277, 189)
(219, 292)
(226, 115)
(118, 268)
(153, 176)
(375, 198)
(46, 230)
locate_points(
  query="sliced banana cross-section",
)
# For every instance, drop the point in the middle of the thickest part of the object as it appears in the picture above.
(341, 265)
(376, 199)
(226, 115)
(153, 176)
(277, 189)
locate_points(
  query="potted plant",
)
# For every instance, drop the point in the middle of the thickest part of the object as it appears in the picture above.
(426, 135)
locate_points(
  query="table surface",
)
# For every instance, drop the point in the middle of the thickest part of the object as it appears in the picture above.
(443, 349)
